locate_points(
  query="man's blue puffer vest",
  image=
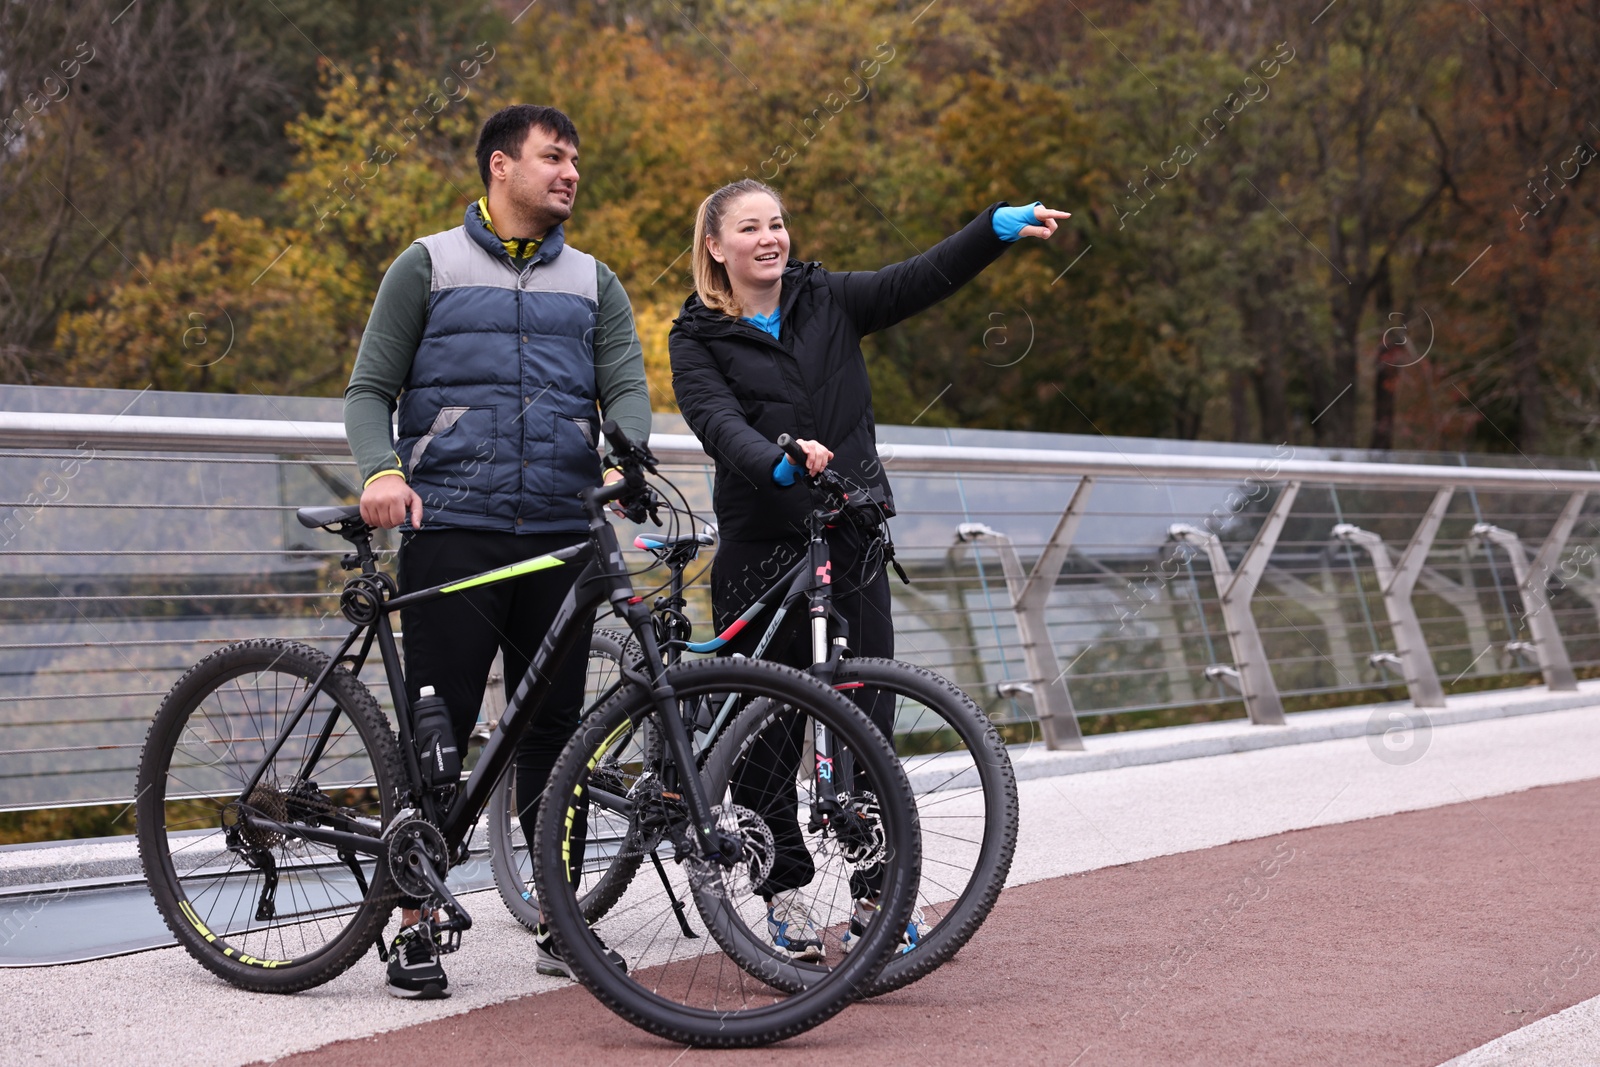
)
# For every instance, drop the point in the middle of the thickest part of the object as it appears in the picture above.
(497, 421)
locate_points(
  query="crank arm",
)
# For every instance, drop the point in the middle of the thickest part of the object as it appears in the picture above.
(459, 919)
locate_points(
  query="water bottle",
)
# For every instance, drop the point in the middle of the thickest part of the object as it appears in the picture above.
(437, 754)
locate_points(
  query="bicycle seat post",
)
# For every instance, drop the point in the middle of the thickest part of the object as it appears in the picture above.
(359, 534)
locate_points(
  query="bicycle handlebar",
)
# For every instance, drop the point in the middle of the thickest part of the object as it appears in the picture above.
(631, 493)
(831, 491)
(792, 449)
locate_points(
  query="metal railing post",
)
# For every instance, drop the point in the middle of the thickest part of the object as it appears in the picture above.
(1052, 701)
(1397, 582)
(1235, 590)
(1532, 580)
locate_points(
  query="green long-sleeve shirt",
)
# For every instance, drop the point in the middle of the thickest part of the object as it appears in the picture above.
(389, 344)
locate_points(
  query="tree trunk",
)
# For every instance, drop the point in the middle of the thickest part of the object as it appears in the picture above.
(1239, 404)
(1336, 419)
(1527, 317)
(1387, 375)
(1272, 395)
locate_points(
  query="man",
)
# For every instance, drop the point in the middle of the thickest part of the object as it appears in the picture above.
(496, 339)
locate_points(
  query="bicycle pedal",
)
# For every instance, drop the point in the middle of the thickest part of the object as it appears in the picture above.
(449, 942)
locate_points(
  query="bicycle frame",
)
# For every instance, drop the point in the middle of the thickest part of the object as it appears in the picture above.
(603, 578)
(798, 581)
(811, 578)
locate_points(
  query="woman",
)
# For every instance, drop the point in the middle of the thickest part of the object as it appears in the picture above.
(768, 345)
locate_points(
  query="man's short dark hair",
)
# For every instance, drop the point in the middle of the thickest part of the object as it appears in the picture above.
(507, 129)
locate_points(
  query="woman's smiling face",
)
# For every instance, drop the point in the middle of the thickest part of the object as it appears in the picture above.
(752, 241)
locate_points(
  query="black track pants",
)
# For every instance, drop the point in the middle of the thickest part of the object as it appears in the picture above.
(450, 643)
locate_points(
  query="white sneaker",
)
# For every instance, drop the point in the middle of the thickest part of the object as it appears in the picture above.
(866, 910)
(792, 928)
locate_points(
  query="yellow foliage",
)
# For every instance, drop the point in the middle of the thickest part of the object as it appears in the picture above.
(251, 307)
(842, 123)
(653, 321)
(387, 160)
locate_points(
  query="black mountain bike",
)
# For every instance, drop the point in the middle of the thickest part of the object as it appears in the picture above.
(961, 775)
(280, 820)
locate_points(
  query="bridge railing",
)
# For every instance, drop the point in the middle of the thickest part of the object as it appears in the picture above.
(1109, 585)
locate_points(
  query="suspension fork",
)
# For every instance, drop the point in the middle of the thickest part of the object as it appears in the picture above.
(833, 770)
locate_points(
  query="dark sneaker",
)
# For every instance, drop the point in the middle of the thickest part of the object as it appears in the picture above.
(547, 958)
(792, 928)
(865, 911)
(414, 970)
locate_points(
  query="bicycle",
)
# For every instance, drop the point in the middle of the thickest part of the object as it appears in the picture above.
(962, 777)
(280, 819)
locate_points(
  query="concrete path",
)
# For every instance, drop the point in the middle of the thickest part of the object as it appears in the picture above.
(1449, 915)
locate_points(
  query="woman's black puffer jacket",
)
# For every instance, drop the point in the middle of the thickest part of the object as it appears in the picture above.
(739, 387)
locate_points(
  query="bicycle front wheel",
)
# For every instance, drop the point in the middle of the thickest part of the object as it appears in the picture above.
(678, 984)
(264, 909)
(610, 865)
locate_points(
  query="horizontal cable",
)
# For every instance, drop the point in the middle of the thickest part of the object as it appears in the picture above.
(169, 641)
(133, 457)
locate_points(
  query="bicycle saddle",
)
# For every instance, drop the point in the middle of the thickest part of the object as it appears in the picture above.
(324, 517)
(652, 543)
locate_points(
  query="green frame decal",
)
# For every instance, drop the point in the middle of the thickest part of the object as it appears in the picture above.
(516, 570)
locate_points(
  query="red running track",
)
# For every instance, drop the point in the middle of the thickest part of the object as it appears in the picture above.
(1407, 939)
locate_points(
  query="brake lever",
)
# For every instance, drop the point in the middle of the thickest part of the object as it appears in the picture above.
(625, 448)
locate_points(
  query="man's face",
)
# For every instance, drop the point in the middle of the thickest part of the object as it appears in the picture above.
(543, 179)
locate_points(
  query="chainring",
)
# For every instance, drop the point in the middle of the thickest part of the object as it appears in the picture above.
(419, 834)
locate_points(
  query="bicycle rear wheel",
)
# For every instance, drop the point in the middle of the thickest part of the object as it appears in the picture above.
(679, 985)
(265, 910)
(609, 864)
(966, 795)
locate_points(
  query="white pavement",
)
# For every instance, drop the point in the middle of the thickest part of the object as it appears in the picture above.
(1568, 1038)
(162, 1008)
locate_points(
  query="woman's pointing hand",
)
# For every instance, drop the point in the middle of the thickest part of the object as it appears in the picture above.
(1045, 222)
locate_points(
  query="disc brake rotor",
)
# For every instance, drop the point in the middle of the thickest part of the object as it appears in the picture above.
(758, 849)
(860, 831)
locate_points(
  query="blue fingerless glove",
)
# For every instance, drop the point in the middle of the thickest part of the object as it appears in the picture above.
(1009, 221)
(786, 472)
